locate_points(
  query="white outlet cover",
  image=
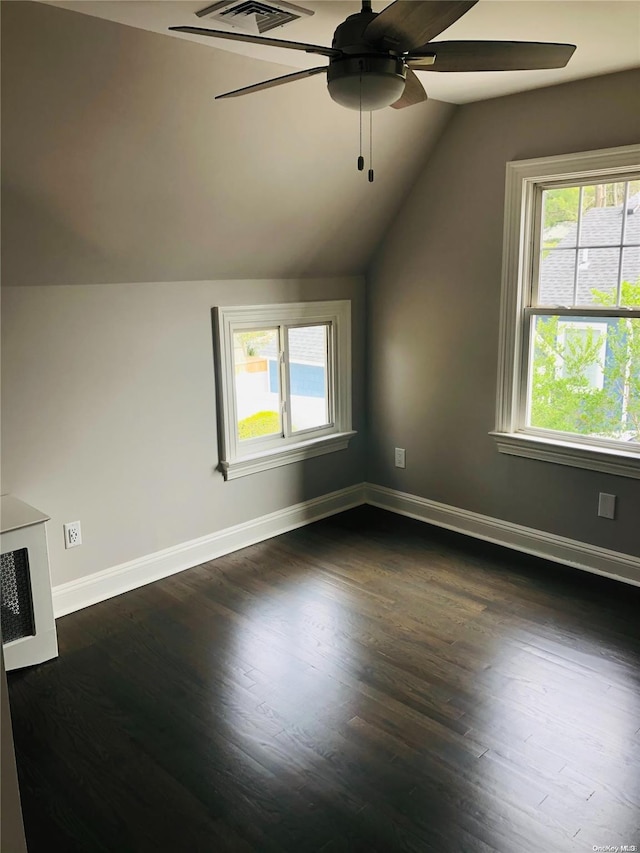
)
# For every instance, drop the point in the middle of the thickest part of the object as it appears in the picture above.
(606, 505)
(72, 534)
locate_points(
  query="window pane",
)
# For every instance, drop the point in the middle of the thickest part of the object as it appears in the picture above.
(308, 366)
(560, 217)
(632, 226)
(257, 383)
(597, 276)
(602, 214)
(630, 294)
(557, 270)
(585, 376)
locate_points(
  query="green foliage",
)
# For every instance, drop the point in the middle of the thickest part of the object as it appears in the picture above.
(564, 399)
(260, 424)
(253, 342)
(624, 345)
(560, 205)
(629, 295)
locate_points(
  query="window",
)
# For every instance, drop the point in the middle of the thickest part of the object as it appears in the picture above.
(569, 363)
(284, 383)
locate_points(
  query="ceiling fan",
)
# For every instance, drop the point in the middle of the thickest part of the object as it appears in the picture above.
(373, 57)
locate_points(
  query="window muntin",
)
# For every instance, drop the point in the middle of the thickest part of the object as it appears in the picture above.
(284, 384)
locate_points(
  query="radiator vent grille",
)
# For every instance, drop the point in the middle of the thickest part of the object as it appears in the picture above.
(16, 606)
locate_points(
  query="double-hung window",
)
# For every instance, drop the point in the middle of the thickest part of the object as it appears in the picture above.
(284, 383)
(569, 366)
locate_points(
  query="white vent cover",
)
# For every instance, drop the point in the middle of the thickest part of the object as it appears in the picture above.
(253, 16)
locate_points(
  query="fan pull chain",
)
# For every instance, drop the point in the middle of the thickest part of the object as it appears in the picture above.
(371, 147)
(360, 158)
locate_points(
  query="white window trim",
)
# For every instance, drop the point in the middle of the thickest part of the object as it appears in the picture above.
(521, 180)
(238, 459)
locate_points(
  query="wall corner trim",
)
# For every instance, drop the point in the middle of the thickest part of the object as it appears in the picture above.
(549, 546)
(100, 586)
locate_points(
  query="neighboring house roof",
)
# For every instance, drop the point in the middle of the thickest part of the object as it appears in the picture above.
(597, 268)
(307, 344)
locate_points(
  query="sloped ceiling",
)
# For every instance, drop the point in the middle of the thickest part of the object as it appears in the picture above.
(119, 166)
(606, 32)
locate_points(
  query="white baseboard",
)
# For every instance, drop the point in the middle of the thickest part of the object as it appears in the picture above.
(75, 595)
(89, 590)
(570, 552)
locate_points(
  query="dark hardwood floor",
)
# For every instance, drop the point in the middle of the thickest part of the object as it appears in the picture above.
(366, 683)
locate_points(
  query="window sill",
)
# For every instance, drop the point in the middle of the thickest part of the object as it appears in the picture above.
(620, 462)
(232, 469)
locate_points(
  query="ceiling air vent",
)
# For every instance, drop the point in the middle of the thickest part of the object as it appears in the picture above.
(253, 16)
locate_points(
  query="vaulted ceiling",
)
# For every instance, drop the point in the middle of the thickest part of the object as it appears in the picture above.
(606, 32)
(119, 165)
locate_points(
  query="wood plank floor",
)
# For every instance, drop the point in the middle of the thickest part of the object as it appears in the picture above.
(366, 683)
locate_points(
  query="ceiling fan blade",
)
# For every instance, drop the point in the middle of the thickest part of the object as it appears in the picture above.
(290, 45)
(491, 56)
(408, 24)
(413, 93)
(275, 81)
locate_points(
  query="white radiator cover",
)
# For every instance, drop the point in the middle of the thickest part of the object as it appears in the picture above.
(23, 534)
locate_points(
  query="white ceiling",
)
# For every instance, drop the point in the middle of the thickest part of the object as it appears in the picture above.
(607, 35)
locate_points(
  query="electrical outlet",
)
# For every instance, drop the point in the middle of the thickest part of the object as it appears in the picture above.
(400, 457)
(72, 534)
(606, 505)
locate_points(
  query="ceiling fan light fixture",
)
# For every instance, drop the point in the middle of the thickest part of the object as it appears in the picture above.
(369, 83)
(374, 56)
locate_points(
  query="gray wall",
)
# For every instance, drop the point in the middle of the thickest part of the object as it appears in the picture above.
(108, 415)
(433, 311)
